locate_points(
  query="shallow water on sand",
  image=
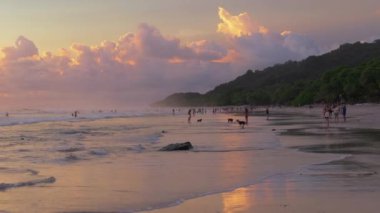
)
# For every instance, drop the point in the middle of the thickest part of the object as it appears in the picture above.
(111, 163)
(348, 183)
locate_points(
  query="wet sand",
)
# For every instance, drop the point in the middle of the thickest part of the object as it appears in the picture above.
(113, 164)
(289, 163)
(348, 184)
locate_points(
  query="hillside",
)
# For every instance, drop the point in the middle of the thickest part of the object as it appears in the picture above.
(352, 70)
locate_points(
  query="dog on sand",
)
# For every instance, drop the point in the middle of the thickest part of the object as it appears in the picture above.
(241, 123)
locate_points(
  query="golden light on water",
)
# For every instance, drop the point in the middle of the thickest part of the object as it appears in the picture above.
(236, 201)
(246, 199)
(176, 60)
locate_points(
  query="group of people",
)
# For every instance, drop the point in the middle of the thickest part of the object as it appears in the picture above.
(75, 114)
(336, 110)
(330, 111)
(191, 113)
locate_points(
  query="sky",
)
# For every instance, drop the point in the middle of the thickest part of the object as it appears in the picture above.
(96, 53)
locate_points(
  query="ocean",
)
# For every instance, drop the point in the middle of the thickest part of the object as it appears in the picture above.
(108, 161)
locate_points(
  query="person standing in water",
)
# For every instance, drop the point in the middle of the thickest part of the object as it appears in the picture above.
(267, 113)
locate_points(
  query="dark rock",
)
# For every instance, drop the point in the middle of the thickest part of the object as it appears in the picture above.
(177, 147)
(70, 149)
(71, 157)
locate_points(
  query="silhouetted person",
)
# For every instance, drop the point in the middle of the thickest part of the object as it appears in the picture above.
(173, 111)
(189, 118)
(344, 112)
(246, 115)
(330, 111)
(326, 115)
(267, 113)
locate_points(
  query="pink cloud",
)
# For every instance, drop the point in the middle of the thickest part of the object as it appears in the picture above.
(23, 48)
(254, 44)
(142, 67)
(136, 68)
(153, 44)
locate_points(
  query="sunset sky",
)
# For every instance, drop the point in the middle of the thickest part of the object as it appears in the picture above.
(82, 53)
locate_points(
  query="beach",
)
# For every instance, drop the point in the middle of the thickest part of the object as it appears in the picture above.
(110, 162)
(349, 183)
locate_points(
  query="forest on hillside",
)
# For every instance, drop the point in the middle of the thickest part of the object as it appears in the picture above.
(351, 71)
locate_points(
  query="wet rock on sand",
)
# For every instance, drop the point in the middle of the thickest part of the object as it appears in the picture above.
(177, 147)
(5, 186)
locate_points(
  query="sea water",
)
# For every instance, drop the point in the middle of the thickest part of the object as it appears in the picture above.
(109, 161)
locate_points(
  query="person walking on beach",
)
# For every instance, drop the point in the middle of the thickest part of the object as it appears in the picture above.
(330, 110)
(267, 113)
(189, 118)
(326, 115)
(336, 113)
(246, 115)
(344, 111)
(74, 114)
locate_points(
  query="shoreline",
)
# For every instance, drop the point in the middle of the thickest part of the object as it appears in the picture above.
(361, 170)
(285, 199)
(113, 164)
(325, 197)
(182, 205)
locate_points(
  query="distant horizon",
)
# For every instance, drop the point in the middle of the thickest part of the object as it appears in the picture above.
(129, 53)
